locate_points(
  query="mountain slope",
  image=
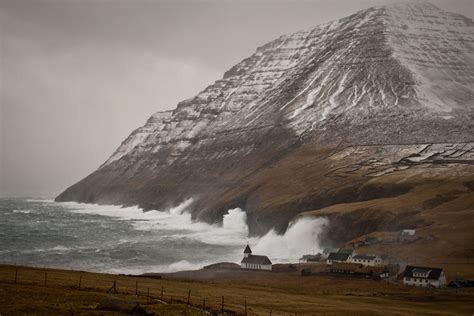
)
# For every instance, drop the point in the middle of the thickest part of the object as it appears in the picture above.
(309, 121)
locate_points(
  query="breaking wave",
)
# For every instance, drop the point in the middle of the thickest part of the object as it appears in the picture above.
(300, 238)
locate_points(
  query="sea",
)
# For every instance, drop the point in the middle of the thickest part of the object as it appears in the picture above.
(114, 239)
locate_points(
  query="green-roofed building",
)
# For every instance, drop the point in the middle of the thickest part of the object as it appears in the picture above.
(346, 251)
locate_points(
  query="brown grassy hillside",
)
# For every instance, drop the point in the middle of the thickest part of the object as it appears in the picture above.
(281, 293)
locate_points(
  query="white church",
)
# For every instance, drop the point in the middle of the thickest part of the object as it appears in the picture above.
(255, 262)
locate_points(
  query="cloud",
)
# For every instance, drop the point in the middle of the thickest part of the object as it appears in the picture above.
(78, 76)
(58, 104)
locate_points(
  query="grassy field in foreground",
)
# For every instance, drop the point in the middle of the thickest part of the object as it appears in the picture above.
(262, 292)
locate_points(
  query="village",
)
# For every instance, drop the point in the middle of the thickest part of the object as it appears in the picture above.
(355, 277)
(348, 262)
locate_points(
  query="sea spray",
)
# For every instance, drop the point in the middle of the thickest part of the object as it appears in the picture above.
(236, 220)
(301, 237)
(110, 238)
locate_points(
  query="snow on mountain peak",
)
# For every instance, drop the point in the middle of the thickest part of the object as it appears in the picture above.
(390, 61)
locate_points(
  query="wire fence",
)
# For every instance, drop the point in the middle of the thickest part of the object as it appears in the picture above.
(156, 289)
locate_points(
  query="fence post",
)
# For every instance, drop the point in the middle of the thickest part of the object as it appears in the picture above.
(271, 312)
(16, 275)
(80, 281)
(189, 295)
(45, 277)
(136, 288)
(171, 299)
(161, 297)
(148, 292)
(245, 304)
(203, 303)
(113, 288)
(222, 306)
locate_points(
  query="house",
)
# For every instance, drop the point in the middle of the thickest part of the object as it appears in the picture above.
(255, 262)
(348, 251)
(366, 260)
(424, 276)
(357, 270)
(328, 251)
(460, 282)
(408, 232)
(341, 268)
(337, 258)
(407, 235)
(311, 258)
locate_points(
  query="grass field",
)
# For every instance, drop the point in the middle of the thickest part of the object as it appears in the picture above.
(284, 293)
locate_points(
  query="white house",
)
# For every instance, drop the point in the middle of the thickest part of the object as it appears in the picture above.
(337, 258)
(407, 235)
(424, 276)
(408, 232)
(366, 260)
(255, 262)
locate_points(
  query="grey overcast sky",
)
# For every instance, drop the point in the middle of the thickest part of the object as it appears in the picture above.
(76, 77)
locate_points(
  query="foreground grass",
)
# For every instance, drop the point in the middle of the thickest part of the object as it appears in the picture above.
(262, 292)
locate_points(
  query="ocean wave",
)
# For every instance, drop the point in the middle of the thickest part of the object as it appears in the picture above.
(55, 249)
(22, 211)
(301, 236)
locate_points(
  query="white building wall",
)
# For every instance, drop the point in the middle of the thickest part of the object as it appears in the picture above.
(425, 282)
(372, 263)
(253, 266)
(266, 267)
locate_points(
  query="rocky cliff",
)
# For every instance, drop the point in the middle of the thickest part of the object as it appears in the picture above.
(312, 119)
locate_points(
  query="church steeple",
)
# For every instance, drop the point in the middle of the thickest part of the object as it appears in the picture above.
(247, 251)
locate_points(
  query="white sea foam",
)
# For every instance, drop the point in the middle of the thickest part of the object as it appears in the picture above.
(41, 200)
(22, 211)
(56, 249)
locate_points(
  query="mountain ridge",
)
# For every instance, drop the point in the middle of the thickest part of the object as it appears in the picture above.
(301, 98)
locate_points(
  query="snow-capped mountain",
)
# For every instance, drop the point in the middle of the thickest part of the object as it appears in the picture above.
(264, 138)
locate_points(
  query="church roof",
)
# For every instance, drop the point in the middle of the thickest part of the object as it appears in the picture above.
(254, 259)
(247, 249)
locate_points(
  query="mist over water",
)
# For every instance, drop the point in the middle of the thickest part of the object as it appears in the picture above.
(118, 239)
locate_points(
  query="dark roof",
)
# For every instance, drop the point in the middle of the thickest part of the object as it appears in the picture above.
(346, 251)
(355, 267)
(311, 256)
(364, 257)
(254, 259)
(434, 274)
(338, 256)
(247, 249)
(327, 251)
(461, 283)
